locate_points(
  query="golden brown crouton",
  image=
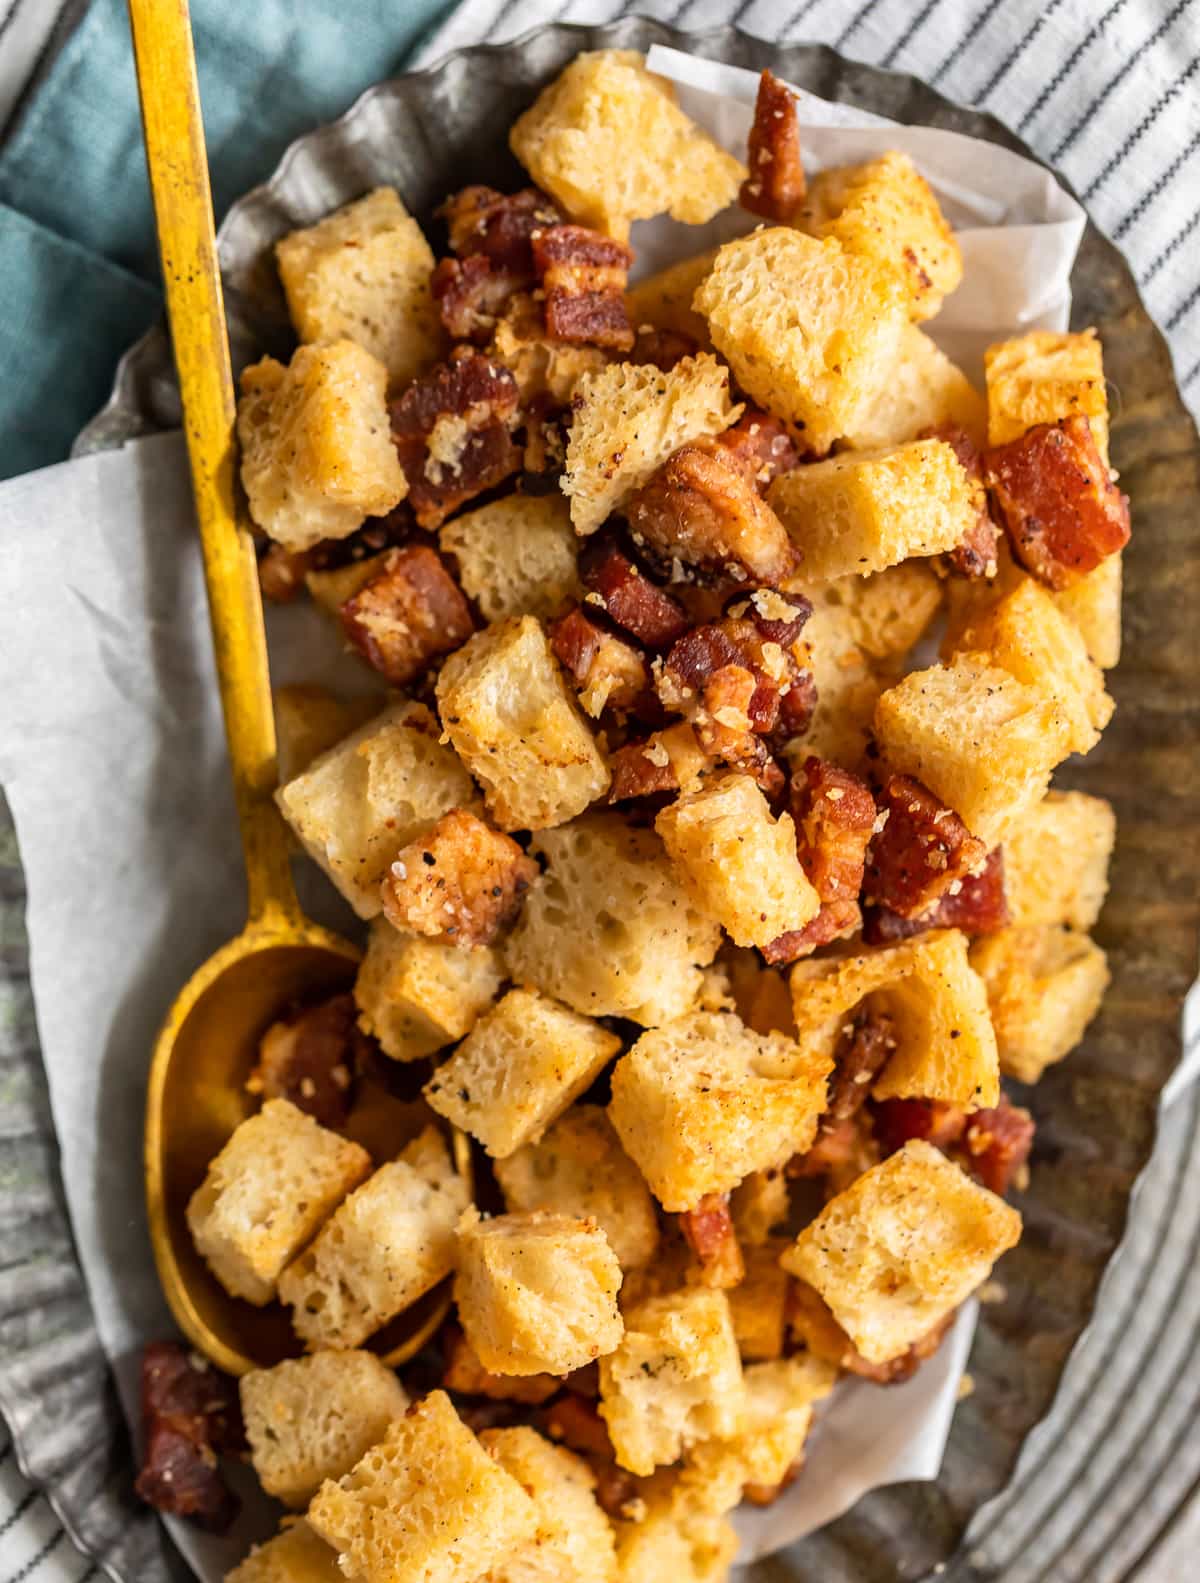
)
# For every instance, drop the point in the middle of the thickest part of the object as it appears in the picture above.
(309, 720)
(1056, 861)
(516, 556)
(1044, 986)
(758, 1304)
(1043, 376)
(574, 1540)
(663, 301)
(416, 995)
(462, 882)
(924, 390)
(295, 1555)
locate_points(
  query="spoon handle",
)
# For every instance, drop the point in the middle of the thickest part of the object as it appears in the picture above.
(175, 155)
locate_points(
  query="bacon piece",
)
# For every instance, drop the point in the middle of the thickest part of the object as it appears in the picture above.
(409, 614)
(281, 573)
(836, 920)
(996, 1144)
(775, 187)
(310, 1058)
(837, 1146)
(921, 852)
(498, 225)
(663, 348)
(977, 554)
(471, 295)
(463, 1372)
(896, 1121)
(708, 1231)
(1063, 513)
(621, 588)
(863, 1051)
(452, 432)
(811, 1320)
(616, 1490)
(637, 772)
(375, 535)
(834, 814)
(609, 673)
(462, 882)
(761, 444)
(976, 904)
(574, 1421)
(768, 1494)
(584, 275)
(190, 1414)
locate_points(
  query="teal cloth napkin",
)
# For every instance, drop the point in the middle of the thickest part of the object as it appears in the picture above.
(78, 267)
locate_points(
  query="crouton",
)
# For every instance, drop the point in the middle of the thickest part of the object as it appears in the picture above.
(363, 273)
(1044, 985)
(1056, 861)
(536, 1293)
(663, 301)
(462, 881)
(848, 683)
(887, 613)
(1043, 376)
(317, 458)
(608, 142)
(518, 1069)
(924, 390)
(388, 1244)
(269, 1189)
(309, 720)
(295, 1555)
(331, 588)
(761, 1201)
(574, 1540)
(902, 1247)
(544, 368)
(511, 717)
(672, 1536)
(1093, 603)
(406, 615)
(516, 556)
(701, 1102)
(758, 1305)
(415, 995)
(311, 1419)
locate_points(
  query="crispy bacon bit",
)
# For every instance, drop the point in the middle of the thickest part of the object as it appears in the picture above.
(616, 1490)
(775, 187)
(663, 348)
(464, 1373)
(190, 1415)
(836, 1147)
(835, 814)
(545, 435)
(761, 444)
(574, 1421)
(1063, 512)
(408, 614)
(609, 673)
(996, 1144)
(583, 276)
(898, 1120)
(977, 906)
(811, 1321)
(498, 225)
(462, 882)
(618, 585)
(922, 851)
(708, 1231)
(311, 1058)
(281, 573)
(837, 920)
(471, 295)
(976, 556)
(452, 432)
(863, 1051)
(376, 534)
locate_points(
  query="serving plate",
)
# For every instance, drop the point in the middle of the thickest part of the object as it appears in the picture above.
(1079, 1491)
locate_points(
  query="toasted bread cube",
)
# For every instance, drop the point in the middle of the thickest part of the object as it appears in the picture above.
(675, 1379)
(865, 510)
(359, 803)
(887, 613)
(1043, 376)
(536, 1293)
(923, 390)
(885, 211)
(363, 273)
(762, 1202)
(512, 718)
(701, 1102)
(627, 419)
(738, 863)
(1056, 861)
(295, 1555)
(317, 452)
(902, 1247)
(388, 1244)
(848, 682)
(1093, 603)
(981, 741)
(663, 301)
(309, 720)
(518, 1069)
(427, 1504)
(331, 588)
(608, 928)
(516, 556)
(810, 331)
(759, 1304)
(1044, 986)
(574, 1539)
(311, 1419)
(674, 1537)
(542, 365)
(579, 1168)
(415, 996)
(278, 1177)
(607, 140)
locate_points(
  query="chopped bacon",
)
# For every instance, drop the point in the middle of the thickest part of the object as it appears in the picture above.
(811, 1321)
(463, 1372)
(1063, 512)
(545, 435)
(462, 882)
(996, 1144)
(836, 1146)
(376, 534)
(862, 1052)
(619, 586)
(409, 614)
(452, 432)
(708, 1231)
(663, 348)
(471, 295)
(616, 1490)
(976, 904)
(574, 1421)
(922, 850)
(775, 187)
(281, 573)
(310, 1058)
(583, 275)
(761, 444)
(190, 1414)
(836, 920)
(637, 771)
(899, 1120)
(768, 1494)
(834, 814)
(498, 225)
(976, 555)
(609, 673)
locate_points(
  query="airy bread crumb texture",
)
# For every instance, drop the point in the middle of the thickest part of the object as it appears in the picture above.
(516, 556)
(663, 301)
(923, 390)
(1044, 986)
(1056, 861)
(295, 1555)
(674, 1537)
(574, 1540)
(1044, 376)
(415, 996)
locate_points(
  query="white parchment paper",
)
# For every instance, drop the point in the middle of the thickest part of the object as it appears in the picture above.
(112, 757)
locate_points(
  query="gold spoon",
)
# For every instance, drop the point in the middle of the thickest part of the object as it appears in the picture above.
(208, 1044)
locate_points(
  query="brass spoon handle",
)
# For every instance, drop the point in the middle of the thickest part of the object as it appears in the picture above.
(175, 155)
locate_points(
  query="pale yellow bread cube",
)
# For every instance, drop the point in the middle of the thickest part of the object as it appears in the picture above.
(518, 1069)
(886, 613)
(663, 301)
(862, 511)
(1056, 861)
(536, 1293)
(1093, 602)
(627, 419)
(426, 1505)
(331, 588)
(310, 1419)
(738, 863)
(762, 1201)
(1042, 377)
(516, 726)
(758, 1304)
(540, 364)
(884, 210)
(359, 803)
(945, 1047)
(1044, 984)
(701, 1102)
(516, 556)
(672, 1537)
(675, 1379)
(388, 1243)
(923, 390)
(609, 929)
(416, 995)
(811, 332)
(607, 140)
(981, 741)
(316, 444)
(848, 683)
(579, 1168)
(295, 1555)
(364, 273)
(902, 1247)
(269, 1189)
(574, 1539)
(309, 720)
